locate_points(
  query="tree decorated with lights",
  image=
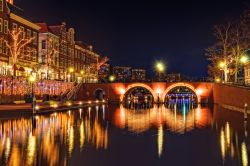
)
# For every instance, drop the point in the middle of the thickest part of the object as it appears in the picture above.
(16, 44)
(51, 53)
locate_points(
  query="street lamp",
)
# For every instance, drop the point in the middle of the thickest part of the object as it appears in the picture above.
(32, 79)
(111, 78)
(244, 59)
(221, 65)
(160, 67)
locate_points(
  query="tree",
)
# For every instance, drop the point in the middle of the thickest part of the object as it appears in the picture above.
(239, 47)
(51, 51)
(16, 44)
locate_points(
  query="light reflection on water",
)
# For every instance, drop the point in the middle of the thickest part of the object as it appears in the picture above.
(57, 138)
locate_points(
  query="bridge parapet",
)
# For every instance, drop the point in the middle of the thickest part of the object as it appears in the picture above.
(116, 91)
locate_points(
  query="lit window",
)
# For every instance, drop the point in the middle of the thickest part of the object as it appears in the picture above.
(4, 48)
(1, 5)
(6, 26)
(1, 25)
(35, 38)
(1, 46)
(23, 33)
(28, 33)
(44, 44)
(14, 26)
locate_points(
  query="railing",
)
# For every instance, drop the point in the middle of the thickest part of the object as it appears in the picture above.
(73, 92)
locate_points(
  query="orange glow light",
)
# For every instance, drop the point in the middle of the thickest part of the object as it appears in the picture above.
(199, 92)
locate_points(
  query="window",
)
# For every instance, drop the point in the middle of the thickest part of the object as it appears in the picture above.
(4, 48)
(28, 33)
(6, 26)
(23, 33)
(35, 38)
(1, 5)
(43, 44)
(1, 46)
(14, 26)
(1, 25)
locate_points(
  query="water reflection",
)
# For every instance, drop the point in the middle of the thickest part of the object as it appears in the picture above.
(57, 138)
(172, 118)
(53, 139)
(233, 137)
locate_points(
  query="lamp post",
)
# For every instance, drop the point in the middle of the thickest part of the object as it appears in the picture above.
(71, 70)
(111, 78)
(221, 67)
(160, 68)
(82, 74)
(244, 59)
(32, 79)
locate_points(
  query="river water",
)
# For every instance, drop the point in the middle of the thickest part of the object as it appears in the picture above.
(177, 134)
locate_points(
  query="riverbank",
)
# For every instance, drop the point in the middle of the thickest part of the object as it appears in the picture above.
(43, 108)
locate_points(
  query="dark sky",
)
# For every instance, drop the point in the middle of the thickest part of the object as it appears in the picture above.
(137, 33)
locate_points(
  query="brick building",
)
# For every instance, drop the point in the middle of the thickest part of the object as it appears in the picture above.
(13, 18)
(48, 53)
(138, 75)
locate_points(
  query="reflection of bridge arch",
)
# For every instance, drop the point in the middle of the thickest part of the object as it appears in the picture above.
(132, 86)
(179, 85)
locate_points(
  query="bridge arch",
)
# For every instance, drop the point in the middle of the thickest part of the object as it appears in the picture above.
(192, 88)
(99, 94)
(139, 85)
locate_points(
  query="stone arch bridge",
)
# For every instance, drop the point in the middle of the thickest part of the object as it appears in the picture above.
(115, 92)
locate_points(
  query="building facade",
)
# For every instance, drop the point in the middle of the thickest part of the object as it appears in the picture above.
(13, 19)
(138, 75)
(247, 73)
(48, 53)
(104, 72)
(173, 77)
(85, 63)
(52, 52)
(122, 74)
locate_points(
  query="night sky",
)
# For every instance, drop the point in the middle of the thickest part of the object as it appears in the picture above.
(137, 33)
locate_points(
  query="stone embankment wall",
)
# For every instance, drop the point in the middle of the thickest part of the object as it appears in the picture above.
(231, 97)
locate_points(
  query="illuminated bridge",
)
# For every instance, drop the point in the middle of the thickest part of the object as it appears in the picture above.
(157, 92)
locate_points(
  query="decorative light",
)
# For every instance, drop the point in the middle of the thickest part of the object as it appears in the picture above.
(71, 70)
(222, 65)
(32, 79)
(37, 107)
(122, 91)
(217, 80)
(244, 59)
(199, 92)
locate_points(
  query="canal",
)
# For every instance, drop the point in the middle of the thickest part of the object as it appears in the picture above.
(175, 134)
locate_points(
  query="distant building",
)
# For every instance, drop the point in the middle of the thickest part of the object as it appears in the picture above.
(247, 73)
(174, 77)
(122, 74)
(138, 75)
(104, 73)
